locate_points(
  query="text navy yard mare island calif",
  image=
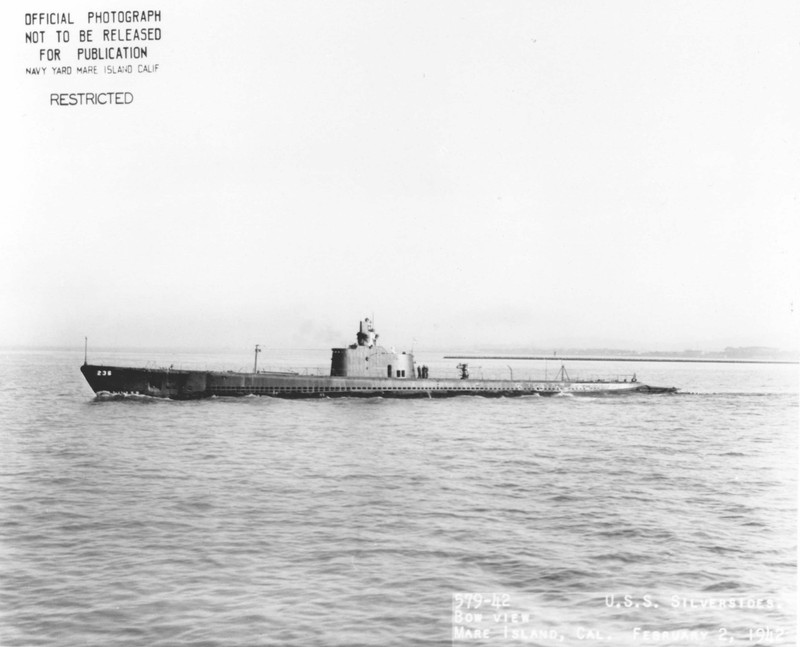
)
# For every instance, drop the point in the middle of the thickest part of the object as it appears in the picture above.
(363, 369)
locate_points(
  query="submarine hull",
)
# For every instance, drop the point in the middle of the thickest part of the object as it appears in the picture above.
(191, 385)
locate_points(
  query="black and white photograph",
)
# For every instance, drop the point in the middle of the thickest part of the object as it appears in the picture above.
(368, 324)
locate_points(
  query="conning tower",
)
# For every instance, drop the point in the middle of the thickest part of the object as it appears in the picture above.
(366, 359)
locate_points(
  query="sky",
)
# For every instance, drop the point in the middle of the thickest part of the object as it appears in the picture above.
(618, 174)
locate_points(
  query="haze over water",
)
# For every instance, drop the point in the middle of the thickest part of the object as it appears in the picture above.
(258, 521)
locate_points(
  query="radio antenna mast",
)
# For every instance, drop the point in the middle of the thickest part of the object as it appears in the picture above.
(255, 363)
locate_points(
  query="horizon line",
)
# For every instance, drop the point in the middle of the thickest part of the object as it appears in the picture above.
(597, 353)
(612, 358)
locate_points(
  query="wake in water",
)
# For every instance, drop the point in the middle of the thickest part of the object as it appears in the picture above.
(106, 396)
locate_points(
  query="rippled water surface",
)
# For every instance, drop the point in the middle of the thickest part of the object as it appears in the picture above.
(258, 521)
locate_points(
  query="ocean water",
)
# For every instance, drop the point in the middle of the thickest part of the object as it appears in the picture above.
(665, 519)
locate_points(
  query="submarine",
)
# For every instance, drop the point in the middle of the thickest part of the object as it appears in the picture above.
(363, 369)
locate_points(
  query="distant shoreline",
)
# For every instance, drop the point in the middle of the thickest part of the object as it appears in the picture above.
(446, 354)
(611, 358)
